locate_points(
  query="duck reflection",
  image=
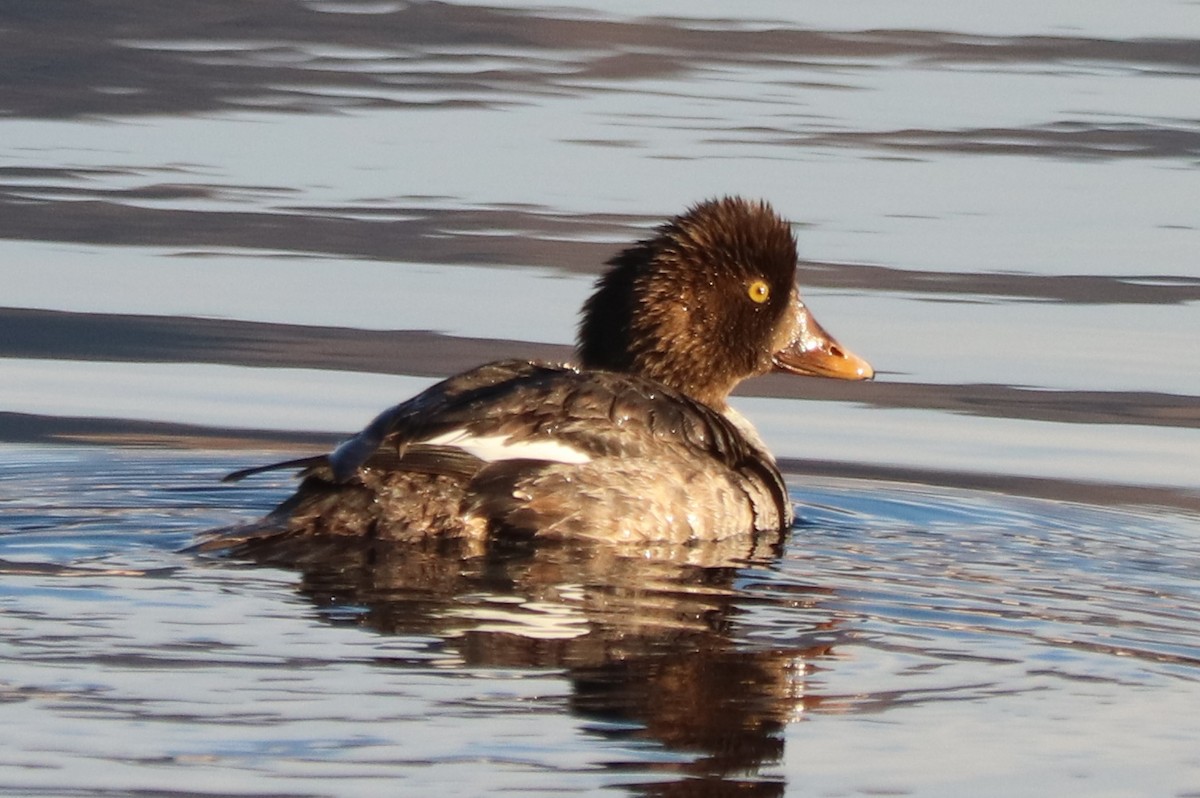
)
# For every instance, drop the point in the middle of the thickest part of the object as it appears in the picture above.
(650, 638)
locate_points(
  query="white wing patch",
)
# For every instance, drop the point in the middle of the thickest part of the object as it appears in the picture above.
(491, 448)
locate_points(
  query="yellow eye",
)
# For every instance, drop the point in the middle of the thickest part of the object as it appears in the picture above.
(759, 291)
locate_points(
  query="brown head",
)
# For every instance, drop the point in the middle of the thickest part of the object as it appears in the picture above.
(708, 301)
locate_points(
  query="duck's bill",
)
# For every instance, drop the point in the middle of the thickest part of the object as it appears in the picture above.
(816, 353)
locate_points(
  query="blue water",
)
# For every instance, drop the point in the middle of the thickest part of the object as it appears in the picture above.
(906, 639)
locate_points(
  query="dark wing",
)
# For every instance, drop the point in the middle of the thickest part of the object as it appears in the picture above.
(599, 413)
(439, 408)
(411, 420)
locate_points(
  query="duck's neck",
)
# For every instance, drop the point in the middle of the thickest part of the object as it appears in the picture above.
(708, 389)
(748, 431)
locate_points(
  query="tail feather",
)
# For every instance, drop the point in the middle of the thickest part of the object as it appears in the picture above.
(300, 462)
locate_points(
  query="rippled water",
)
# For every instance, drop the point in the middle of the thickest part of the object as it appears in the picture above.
(904, 640)
(228, 228)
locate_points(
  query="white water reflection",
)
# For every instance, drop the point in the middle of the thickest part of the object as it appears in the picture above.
(198, 393)
(1114, 18)
(920, 439)
(526, 304)
(1049, 345)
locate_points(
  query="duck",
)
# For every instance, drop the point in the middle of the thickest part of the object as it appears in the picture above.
(634, 442)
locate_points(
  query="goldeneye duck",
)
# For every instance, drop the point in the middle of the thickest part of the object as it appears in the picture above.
(636, 442)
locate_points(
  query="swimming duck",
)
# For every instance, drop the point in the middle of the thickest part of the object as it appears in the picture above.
(636, 442)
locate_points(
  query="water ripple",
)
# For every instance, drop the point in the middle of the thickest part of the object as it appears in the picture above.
(588, 664)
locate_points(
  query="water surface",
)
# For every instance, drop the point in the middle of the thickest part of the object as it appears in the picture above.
(231, 232)
(904, 639)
